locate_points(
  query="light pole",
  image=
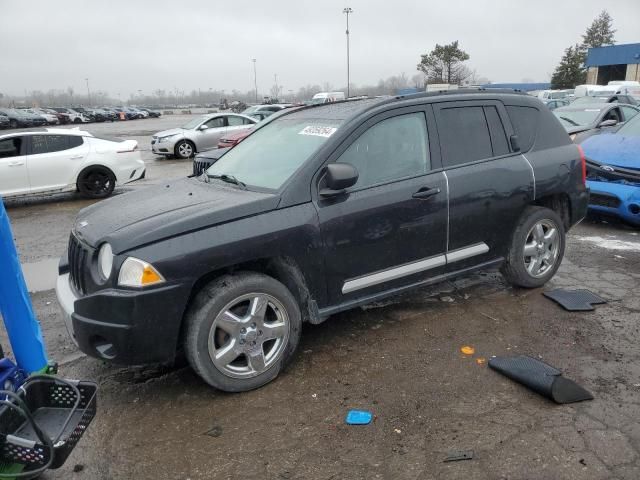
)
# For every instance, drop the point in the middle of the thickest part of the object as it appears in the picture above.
(275, 80)
(347, 10)
(255, 78)
(88, 92)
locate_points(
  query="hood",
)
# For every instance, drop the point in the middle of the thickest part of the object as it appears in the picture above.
(163, 211)
(173, 131)
(613, 149)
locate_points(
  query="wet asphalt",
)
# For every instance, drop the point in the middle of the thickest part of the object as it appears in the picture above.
(400, 359)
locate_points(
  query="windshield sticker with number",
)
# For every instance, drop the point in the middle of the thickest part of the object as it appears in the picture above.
(318, 131)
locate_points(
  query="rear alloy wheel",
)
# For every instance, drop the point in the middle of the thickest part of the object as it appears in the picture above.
(96, 182)
(185, 149)
(241, 330)
(536, 250)
(77, 120)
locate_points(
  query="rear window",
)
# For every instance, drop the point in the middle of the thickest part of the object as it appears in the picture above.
(525, 124)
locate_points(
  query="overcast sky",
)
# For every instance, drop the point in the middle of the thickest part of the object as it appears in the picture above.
(123, 46)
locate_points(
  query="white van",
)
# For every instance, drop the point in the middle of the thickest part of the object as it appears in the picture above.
(552, 94)
(600, 90)
(327, 97)
(441, 87)
(626, 87)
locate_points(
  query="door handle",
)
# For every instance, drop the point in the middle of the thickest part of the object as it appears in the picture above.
(16, 163)
(76, 157)
(425, 193)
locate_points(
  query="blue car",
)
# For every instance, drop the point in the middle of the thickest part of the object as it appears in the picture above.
(613, 171)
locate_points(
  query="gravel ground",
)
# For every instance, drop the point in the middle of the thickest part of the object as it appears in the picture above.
(400, 359)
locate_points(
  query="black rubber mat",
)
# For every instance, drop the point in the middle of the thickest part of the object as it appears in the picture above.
(574, 300)
(541, 378)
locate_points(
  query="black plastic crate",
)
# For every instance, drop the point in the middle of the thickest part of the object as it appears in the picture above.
(57, 410)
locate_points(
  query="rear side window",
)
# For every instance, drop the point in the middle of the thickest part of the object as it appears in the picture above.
(75, 141)
(464, 136)
(48, 143)
(525, 124)
(496, 129)
(235, 121)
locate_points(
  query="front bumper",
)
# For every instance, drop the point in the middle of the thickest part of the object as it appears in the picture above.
(619, 199)
(129, 327)
(164, 148)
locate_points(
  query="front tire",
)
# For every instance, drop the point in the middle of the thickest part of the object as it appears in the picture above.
(96, 182)
(536, 250)
(185, 149)
(241, 330)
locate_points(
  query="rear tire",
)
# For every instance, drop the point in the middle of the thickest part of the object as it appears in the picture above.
(241, 330)
(77, 120)
(96, 182)
(13, 124)
(536, 250)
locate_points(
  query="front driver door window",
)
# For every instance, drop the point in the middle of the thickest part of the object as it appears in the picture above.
(13, 166)
(628, 112)
(386, 232)
(209, 138)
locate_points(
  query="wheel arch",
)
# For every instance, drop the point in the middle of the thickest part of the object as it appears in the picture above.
(559, 203)
(88, 168)
(282, 268)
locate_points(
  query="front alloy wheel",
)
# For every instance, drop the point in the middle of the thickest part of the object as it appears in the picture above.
(249, 335)
(184, 149)
(241, 330)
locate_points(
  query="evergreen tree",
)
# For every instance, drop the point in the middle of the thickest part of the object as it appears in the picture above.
(570, 72)
(600, 33)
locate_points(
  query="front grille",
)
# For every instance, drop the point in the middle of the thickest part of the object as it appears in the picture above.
(199, 166)
(604, 200)
(79, 256)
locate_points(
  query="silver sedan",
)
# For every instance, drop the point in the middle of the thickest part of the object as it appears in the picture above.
(199, 134)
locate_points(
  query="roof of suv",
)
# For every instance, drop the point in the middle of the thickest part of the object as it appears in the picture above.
(343, 109)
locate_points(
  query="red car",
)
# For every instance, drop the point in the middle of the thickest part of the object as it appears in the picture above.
(232, 139)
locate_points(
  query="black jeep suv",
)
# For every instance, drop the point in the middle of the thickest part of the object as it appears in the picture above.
(323, 209)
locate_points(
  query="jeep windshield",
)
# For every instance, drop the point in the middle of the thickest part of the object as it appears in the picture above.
(271, 154)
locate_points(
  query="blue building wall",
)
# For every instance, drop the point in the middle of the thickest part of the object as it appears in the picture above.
(613, 55)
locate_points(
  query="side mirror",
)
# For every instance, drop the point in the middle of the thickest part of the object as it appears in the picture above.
(515, 145)
(607, 123)
(338, 177)
(203, 127)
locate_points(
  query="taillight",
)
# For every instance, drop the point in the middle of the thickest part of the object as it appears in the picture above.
(583, 160)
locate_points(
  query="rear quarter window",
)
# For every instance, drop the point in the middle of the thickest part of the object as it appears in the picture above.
(525, 124)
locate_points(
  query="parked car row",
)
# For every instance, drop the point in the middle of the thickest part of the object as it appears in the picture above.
(37, 116)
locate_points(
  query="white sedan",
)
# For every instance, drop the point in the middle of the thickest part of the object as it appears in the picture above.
(57, 160)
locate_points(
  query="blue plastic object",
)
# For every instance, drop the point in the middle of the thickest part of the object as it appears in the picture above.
(358, 417)
(15, 305)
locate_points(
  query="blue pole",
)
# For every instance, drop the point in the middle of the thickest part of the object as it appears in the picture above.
(15, 304)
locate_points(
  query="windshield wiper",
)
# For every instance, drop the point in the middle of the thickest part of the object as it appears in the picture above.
(570, 121)
(229, 179)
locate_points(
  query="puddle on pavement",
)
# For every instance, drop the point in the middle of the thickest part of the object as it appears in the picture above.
(42, 275)
(611, 243)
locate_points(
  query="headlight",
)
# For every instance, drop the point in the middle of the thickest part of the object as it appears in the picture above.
(105, 260)
(138, 273)
(166, 139)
